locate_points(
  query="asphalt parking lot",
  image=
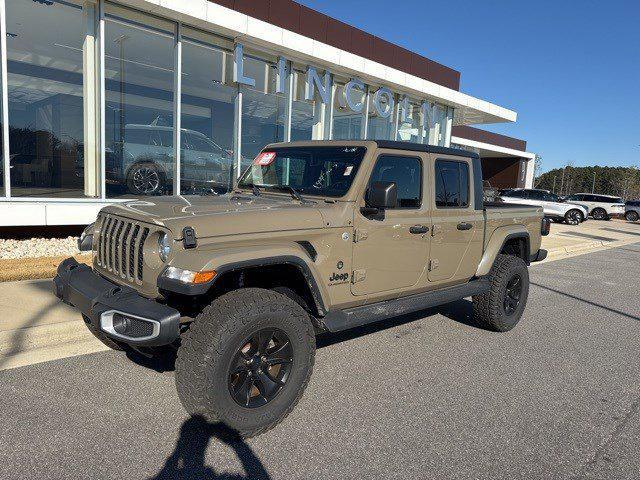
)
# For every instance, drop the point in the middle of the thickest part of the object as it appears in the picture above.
(558, 397)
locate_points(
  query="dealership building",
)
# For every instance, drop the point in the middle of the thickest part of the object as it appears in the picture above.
(104, 101)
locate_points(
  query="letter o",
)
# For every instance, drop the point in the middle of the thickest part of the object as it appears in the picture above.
(348, 89)
(377, 102)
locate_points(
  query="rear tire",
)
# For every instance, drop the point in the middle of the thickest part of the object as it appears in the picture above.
(599, 214)
(631, 216)
(573, 217)
(100, 335)
(221, 357)
(498, 309)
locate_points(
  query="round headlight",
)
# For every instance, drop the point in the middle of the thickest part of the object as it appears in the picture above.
(164, 246)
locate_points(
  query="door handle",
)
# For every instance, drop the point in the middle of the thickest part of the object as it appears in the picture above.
(464, 226)
(419, 229)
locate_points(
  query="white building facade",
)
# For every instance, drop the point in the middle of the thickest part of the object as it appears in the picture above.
(104, 101)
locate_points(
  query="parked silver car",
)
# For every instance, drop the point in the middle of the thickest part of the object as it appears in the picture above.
(632, 211)
(552, 206)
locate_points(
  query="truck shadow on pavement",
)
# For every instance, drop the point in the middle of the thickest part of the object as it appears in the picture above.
(188, 458)
(460, 311)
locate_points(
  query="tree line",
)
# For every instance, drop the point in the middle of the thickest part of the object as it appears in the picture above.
(619, 181)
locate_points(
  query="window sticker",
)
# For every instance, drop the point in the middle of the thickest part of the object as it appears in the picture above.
(348, 170)
(265, 158)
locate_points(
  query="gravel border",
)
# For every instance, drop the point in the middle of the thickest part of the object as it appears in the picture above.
(38, 247)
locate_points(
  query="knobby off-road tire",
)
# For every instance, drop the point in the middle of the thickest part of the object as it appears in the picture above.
(100, 335)
(490, 309)
(212, 345)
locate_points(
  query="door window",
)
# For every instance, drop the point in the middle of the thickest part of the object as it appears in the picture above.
(515, 194)
(551, 197)
(406, 172)
(452, 184)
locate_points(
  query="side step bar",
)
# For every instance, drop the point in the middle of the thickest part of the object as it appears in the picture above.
(338, 320)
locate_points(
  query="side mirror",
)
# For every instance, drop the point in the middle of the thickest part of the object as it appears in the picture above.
(382, 195)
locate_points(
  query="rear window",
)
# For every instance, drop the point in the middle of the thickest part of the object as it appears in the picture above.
(452, 184)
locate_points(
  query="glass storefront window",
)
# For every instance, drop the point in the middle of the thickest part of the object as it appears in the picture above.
(207, 114)
(410, 130)
(437, 125)
(347, 124)
(380, 128)
(45, 88)
(139, 93)
(303, 112)
(263, 110)
(2, 191)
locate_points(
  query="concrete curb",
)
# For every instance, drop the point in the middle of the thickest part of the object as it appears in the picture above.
(26, 346)
(586, 247)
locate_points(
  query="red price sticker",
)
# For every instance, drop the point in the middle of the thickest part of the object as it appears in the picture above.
(265, 158)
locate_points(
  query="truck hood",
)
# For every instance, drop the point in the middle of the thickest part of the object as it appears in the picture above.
(223, 214)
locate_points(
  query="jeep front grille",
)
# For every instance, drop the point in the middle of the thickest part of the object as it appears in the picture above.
(121, 247)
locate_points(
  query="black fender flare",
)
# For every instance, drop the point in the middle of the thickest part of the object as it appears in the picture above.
(175, 286)
(527, 246)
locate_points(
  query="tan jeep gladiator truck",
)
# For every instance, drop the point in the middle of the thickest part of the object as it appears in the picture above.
(314, 237)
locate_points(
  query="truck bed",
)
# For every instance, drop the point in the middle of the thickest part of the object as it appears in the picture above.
(498, 214)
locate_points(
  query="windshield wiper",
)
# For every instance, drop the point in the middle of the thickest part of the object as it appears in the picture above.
(294, 193)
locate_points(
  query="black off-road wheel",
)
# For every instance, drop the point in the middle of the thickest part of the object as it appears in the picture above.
(573, 217)
(599, 214)
(246, 360)
(500, 308)
(631, 216)
(100, 335)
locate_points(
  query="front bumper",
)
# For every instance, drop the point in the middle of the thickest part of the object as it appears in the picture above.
(117, 310)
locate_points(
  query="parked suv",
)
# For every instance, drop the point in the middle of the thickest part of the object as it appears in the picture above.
(632, 211)
(145, 160)
(316, 237)
(601, 207)
(552, 205)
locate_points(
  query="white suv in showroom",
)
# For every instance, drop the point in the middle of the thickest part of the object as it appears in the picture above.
(601, 207)
(552, 206)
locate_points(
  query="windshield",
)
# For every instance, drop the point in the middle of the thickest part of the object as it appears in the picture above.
(322, 171)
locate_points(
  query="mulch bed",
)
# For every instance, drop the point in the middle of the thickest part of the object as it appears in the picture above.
(34, 268)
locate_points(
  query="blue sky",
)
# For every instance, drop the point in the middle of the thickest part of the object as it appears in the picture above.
(570, 68)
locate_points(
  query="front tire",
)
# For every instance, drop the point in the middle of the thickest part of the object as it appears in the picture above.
(145, 179)
(631, 216)
(599, 214)
(246, 360)
(500, 308)
(573, 217)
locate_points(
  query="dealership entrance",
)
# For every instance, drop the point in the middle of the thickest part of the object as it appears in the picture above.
(505, 161)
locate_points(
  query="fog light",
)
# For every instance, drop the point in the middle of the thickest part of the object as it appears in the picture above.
(121, 323)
